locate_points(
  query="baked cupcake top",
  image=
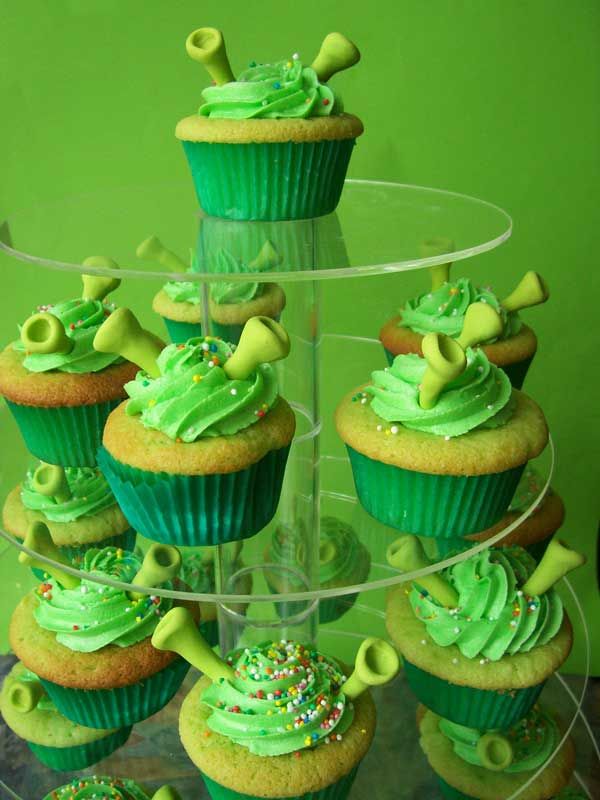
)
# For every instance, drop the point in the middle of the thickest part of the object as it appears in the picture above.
(100, 787)
(59, 336)
(203, 388)
(64, 494)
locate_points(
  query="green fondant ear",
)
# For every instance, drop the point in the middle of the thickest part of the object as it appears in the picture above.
(51, 481)
(445, 361)
(208, 46)
(25, 695)
(482, 322)
(166, 793)
(336, 54)
(121, 333)
(161, 563)
(96, 287)
(495, 751)
(45, 333)
(267, 258)
(39, 540)
(407, 555)
(437, 246)
(262, 340)
(152, 249)
(531, 291)
(557, 561)
(376, 663)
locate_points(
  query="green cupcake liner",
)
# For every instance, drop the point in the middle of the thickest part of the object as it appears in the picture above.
(336, 791)
(269, 180)
(443, 506)
(66, 759)
(180, 332)
(126, 541)
(450, 793)
(64, 435)
(516, 372)
(476, 708)
(124, 705)
(197, 510)
(210, 632)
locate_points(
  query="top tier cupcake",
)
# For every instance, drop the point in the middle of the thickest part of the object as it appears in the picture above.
(273, 143)
(443, 309)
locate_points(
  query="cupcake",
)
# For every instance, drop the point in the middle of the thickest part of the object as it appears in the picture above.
(77, 506)
(105, 788)
(90, 643)
(536, 531)
(278, 720)
(443, 309)
(231, 304)
(53, 739)
(438, 443)
(58, 388)
(343, 561)
(197, 455)
(273, 144)
(473, 764)
(481, 637)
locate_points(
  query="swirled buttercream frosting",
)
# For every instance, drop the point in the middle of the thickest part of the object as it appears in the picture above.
(93, 615)
(285, 697)
(198, 573)
(283, 90)
(443, 310)
(193, 397)
(81, 320)
(534, 738)
(98, 788)
(479, 398)
(493, 617)
(90, 494)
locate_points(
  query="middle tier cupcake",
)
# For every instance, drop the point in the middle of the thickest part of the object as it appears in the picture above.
(198, 453)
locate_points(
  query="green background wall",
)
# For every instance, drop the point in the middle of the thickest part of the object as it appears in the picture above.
(498, 99)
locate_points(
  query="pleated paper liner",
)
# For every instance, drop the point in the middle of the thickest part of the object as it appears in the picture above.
(64, 435)
(432, 505)
(124, 705)
(197, 510)
(336, 791)
(476, 708)
(269, 180)
(450, 793)
(180, 332)
(124, 541)
(66, 759)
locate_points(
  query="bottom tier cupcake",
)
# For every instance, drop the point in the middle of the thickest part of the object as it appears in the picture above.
(105, 788)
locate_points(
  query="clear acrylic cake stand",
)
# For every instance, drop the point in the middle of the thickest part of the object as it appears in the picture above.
(377, 231)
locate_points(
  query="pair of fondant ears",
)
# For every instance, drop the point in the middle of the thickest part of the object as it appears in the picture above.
(407, 555)
(207, 46)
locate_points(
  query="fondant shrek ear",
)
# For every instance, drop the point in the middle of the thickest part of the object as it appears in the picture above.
(445, 361)
(262, 340)
(38, 540)
(376, 663)
(121, 333)
(495, 751)
(97, 287)
(161, 563)
(152, 249)
(166, 793)
(336, 54)
(482, 322)
(557, 561)
(267, 258)
(530, 291)
(45, 333)
(51, 481)
(437, 246)
(25, 695)
(407, 555)
(208, 46)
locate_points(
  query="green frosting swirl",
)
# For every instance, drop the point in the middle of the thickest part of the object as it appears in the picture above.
(81, 320)
(443, 311)
(493, 617)
(340, 551)
(197, 573)
(285, 697)
(93, 615)
(271, 91)
(90, 494)
(479, 398)
(534, 738)
(98, 788)
(193, 397)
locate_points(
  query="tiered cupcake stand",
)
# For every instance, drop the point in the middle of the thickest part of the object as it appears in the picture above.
(377, 231)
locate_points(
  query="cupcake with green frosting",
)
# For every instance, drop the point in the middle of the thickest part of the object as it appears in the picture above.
(481, 637)
(58, 388)
(279, 719)
(54, 740)
(90, 642)
(231, 304)
(76, 504)
(197, 455)
(343, 561)
(273, 143)
(438, 443)
(474, 764)
(106, 788)
(443, 309)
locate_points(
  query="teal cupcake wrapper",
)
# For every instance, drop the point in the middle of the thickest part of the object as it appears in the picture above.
(476, 708)
(126, 541)
(180, 332)
(450, 793)
(336, 791)
(66, 759)
(269, 180)
(124, 705)
(444, 506)
(65, 435)
(197, 510)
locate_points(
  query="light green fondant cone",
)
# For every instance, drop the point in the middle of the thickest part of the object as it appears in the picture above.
(495, 751)
(557, 561)
(407, 555)
(262, 340)
(161, 563)
(51, 481)
(44, 333)
(445, 361)
(25, 695)
(152, 249)
(207, 46)
(177, 631)
(336, 54)
(532, 290)
(437, 246)
(39, 540)
(482, 322)
(166, 793)
(97, 287)
(267, 258)
(376, 663)
(121, 333)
